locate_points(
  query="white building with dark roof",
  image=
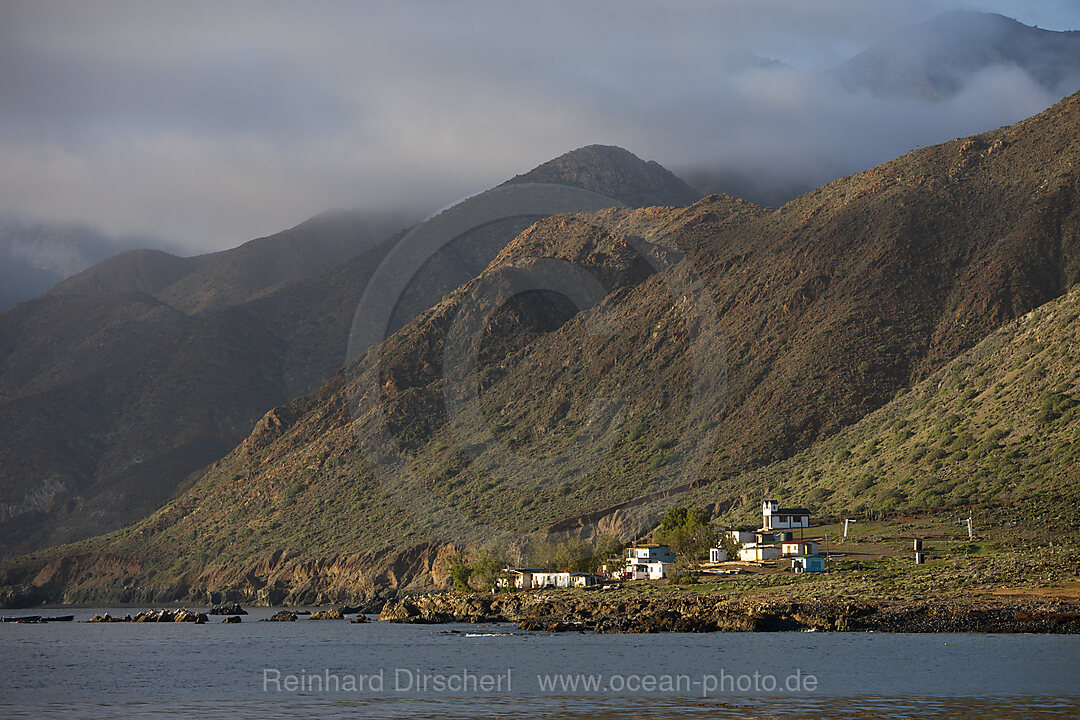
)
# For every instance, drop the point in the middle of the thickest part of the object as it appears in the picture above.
(774, 517)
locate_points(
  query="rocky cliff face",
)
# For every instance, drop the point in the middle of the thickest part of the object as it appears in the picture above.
(278, 578)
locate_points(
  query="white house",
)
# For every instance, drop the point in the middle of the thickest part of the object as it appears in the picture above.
(774, 517)
(759, 553)
(529, 578)
(646, 570)
(551, 578)
(798, 548)
(648, 562)
(718, 555)
(580, 579)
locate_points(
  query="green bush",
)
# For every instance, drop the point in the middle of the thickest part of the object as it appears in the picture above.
(1054, 406)
(991, 442)
(864, 484)
(917, 453)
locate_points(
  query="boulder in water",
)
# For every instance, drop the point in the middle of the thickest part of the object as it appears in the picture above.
(327, 615)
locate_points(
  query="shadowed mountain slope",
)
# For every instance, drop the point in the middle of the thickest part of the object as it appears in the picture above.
(143, 271)
(148, 366)
(231, 277)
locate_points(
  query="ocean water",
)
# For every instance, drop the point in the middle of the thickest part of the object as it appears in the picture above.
(332, 669)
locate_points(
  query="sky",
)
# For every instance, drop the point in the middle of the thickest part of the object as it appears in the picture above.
(206, 124)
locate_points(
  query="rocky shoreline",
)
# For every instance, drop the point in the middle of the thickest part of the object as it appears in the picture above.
(689, 612)
(634, 612)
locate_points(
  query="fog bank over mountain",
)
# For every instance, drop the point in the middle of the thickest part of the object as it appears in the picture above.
(210, 124)
(35, 256)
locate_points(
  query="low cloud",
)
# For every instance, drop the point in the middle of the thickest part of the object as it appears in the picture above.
(210, 124)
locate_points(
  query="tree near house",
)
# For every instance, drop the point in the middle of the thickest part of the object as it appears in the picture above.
(571, 554)
(480, 570)
(690, 533)
(609, 551)
(460, 572)
(487, 569)
(728, 543)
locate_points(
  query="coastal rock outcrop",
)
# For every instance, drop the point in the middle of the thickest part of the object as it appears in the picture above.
(148, 616)
(570, 611)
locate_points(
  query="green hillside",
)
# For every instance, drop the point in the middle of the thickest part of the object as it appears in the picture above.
(1001, 423)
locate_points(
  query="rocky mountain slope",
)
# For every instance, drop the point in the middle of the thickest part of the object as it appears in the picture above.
(140, 371)
(1000, 423)
(716, 341)
(614, 172)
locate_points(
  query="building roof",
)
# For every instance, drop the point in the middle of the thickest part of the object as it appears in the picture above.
(647, 546)
(792, 511)
(531, 570)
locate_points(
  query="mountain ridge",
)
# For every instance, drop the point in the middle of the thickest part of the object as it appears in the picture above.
(179, 375)
(828, 307)
(613, 171)
(231, 277)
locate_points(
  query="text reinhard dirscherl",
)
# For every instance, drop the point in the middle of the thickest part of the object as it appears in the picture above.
(409, 680)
